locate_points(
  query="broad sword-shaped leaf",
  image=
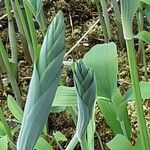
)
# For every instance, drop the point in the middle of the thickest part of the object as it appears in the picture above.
(43, 85)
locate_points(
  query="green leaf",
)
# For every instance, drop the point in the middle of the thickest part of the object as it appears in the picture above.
(5, 125)
(147, 12)
(4, 143)
(35, 6)
(102, 58)
(120, 111)
(138, 144)
(57, 109)
(2, 130)
(30, 6)
(43, 85)
(14, 108)
(145, 91)
(128, 10)
(120, 142)
(86, 94)
(146, 1)
(109, 112)
(59, 136)
(42, 144)
(65, 96)
(145, 36)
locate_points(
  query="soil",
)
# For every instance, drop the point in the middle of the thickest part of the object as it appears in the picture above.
(79, 16)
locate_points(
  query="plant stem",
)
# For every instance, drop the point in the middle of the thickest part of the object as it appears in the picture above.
(102, 20)
(43, 24)
(25, 47)
(84, 144)
(91, 131)
(140, 21)
(26, 32)
(100, 140)
(10, 73)
(118, 23)
(73, 143)
(8, 131)
(12, 38)
(137, 94)
(106, 18)
(32, 29)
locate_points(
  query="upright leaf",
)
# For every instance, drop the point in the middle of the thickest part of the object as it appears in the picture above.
(102, 58)
(4, 143)
(35, 7)
(14, 108)
(86, 94)
(43, 85)
(128, 10)
(147, 12)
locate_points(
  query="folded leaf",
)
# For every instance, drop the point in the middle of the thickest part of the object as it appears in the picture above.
(43, 85)
(86, 94)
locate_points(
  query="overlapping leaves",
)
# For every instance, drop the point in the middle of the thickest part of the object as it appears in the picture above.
(102, 58)
(43, 85)
(86, 93)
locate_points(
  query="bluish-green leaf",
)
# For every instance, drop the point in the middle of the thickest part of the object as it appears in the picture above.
(86, 94)
(43, 85)
(128, 10)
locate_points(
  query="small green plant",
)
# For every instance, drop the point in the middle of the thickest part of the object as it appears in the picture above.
(86, 94)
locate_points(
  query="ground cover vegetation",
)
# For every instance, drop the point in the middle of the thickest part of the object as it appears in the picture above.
(84, 86)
